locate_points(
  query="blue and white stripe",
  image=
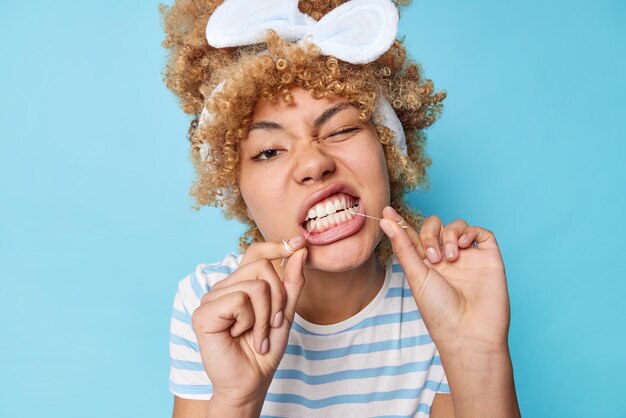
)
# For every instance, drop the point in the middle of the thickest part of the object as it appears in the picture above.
(382, 362)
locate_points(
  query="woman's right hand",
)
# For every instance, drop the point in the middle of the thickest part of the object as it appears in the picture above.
(243, 323)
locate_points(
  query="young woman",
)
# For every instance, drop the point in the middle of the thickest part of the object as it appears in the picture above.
(317, 317)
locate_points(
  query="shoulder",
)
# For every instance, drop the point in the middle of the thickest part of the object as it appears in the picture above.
(210, 273)
(197, 283)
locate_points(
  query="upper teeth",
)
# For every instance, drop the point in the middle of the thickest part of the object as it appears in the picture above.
(328, 208)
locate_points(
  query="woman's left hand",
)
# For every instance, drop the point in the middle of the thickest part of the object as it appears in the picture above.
(463, 299)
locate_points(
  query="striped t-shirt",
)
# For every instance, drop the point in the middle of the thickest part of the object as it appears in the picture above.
(379, 363)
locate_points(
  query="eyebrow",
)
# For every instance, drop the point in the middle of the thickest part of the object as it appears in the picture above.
(329, 113)
(319, 121)
(265, 125)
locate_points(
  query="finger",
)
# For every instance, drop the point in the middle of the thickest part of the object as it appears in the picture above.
(391, 213)
(293, 281)
(416, 270)
(485, 239)
(262, 270)
(244, 286)
(258, 293)
(431, 238)
(231, 311)
(404, 249)
(450, 236)
(272, 250)
(469, 235)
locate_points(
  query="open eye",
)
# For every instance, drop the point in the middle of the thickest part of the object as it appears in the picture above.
(266, 154)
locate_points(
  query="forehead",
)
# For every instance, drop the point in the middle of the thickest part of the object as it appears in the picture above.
(304, 107)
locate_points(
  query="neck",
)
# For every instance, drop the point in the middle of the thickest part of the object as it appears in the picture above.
(329, 297)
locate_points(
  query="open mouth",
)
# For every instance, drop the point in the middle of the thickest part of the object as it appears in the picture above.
(331, 212)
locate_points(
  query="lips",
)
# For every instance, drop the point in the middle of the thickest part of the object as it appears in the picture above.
(328, 215)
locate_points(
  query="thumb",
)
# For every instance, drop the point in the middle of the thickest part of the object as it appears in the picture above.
(293, 281)
(416, 270)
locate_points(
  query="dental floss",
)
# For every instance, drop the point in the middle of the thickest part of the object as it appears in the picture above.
(288, 248)
(312, 225)
(401, 222)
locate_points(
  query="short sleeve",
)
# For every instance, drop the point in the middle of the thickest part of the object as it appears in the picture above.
(443, 382)
(187, 376)
(436, 382)
(443, 386)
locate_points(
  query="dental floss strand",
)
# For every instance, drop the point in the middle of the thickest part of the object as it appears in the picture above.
(400, 222)
(305, 238)
(312, 225)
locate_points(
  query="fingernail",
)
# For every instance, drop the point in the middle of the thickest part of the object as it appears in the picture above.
(449, 250)
(278, 319)
(463, 238)
(385, 225)
(393, 211)
(432, 255)
(265, 346)
(296, 241)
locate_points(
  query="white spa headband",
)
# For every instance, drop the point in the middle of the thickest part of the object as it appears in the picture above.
(358, 32)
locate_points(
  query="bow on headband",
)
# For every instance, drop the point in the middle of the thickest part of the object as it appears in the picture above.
(358, 31)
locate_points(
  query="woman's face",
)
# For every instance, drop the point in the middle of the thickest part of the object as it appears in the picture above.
(305, 167)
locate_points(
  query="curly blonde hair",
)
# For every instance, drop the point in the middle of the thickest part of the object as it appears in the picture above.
(247, 73)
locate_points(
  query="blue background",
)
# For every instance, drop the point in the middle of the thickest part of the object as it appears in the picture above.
(96, 225)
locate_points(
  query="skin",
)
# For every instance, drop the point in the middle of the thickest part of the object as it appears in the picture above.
(310, 153)
(461, 292)
(308, 158)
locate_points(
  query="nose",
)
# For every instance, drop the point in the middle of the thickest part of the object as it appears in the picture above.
(312, 164)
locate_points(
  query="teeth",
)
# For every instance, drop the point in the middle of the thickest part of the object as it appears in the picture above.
(327, 208)
(320, 210)
(318, 225)
(330, 208)
(338, 204)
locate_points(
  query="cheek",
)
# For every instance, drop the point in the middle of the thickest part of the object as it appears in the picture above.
(263, 193)
(370, 163)
(257, 191)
